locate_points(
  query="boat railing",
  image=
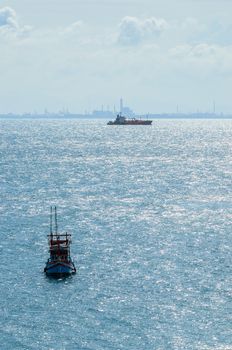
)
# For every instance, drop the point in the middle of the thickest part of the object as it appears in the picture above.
(60, 258)
(59, 235)
(59, 247)
(59, 239)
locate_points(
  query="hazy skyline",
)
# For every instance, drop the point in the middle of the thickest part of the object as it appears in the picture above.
(82, 54)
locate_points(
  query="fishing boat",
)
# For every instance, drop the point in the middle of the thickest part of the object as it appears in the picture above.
(120, 120)
(59, 262)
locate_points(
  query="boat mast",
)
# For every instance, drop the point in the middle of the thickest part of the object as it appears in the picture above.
(51, 233)
(56, 225)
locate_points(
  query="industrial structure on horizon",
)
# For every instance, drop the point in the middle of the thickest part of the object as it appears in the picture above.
(105, 113)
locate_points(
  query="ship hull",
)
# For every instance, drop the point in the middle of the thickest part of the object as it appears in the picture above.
(59, 269)
(137, 122)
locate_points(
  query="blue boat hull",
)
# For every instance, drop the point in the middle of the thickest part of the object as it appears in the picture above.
(59, 269)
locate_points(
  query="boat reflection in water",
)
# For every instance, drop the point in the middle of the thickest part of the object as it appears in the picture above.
(120, 120)
(59, 263)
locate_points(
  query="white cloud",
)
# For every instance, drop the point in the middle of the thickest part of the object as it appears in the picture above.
(73, 28)
(203, 52)
(8, 18)
(9, 25)
(133, 31)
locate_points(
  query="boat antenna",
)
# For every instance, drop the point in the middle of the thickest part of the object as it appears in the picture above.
(56, 225)
(51, 221)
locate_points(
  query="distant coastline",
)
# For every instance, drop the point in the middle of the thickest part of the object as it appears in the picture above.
(12, 116)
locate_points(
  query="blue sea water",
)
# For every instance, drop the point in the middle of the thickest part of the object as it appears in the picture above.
(150, 212)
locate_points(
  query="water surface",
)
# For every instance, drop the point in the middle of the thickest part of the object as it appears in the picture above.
(150, 212)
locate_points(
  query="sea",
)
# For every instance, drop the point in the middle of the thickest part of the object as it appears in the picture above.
(150, 213)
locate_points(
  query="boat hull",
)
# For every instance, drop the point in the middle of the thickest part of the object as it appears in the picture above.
(59, 269)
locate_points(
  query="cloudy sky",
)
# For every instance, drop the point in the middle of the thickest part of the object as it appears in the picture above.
(82, 54)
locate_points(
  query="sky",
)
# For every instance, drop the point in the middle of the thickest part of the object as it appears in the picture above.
(82, 54)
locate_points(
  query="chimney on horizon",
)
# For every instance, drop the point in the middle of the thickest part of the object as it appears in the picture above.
(121, 105)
